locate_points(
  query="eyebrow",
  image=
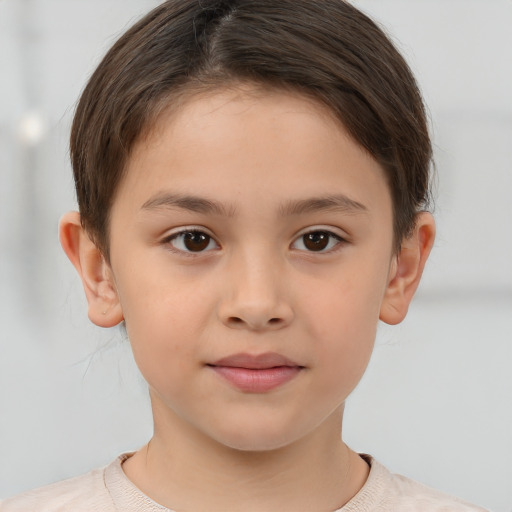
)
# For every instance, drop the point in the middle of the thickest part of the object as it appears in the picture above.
(338, 202)
(205, 206)
(187, 202)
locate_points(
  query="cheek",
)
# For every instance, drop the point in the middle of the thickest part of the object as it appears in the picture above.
(343, 322)
(345, 345)
(163, 322)
(343, 355)
(348, 306)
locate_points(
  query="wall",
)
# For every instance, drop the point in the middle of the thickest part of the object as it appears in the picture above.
(435, 403)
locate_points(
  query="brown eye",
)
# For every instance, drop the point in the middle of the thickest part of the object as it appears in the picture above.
(196, 241)
(317, 241)
(192, 241)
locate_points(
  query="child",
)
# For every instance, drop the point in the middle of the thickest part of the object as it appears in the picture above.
(252, 178)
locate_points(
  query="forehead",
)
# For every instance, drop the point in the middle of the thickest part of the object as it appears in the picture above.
(259, 107)
(245, 144)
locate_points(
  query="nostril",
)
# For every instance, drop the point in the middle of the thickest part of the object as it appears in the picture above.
(236, 321)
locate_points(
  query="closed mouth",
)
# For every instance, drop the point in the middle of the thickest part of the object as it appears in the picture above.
(255, 362)
(256, 373)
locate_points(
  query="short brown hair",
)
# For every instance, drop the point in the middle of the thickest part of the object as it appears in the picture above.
(326, 49)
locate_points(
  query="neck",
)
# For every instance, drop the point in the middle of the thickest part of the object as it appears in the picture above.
(189, 471)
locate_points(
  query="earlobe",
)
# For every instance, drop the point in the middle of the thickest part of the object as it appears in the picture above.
(407, 269)
(95, 273)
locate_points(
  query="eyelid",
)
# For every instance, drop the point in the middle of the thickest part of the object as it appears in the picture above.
(188, 229)
(335, 231)
(342, 237)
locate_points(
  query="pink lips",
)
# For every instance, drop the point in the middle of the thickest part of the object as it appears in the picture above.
(256, 374)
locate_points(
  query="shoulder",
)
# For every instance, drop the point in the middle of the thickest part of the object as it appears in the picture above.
(80, 494)
(388, 492)
(424, 498)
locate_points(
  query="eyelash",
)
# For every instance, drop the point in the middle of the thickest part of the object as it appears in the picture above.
(182, 234)
(338, 241)
(208, 240)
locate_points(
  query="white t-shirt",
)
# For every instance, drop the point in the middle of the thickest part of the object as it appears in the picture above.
(109, 490)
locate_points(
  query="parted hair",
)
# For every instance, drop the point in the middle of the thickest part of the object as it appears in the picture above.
(325, 49)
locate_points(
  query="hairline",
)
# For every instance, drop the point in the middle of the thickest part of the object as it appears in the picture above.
(174, 101)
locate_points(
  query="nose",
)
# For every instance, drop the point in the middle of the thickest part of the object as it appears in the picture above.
(256, 296)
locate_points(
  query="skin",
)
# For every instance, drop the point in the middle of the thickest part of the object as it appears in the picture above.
(263, 158)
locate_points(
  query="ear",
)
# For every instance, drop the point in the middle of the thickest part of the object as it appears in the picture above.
(406, 270)
(96, 274)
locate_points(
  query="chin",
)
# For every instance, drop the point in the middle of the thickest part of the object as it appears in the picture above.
(256, 439)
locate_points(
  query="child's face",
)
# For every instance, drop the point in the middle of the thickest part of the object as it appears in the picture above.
(250, 226)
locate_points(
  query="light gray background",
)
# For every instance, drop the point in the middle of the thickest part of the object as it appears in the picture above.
(436, 402)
